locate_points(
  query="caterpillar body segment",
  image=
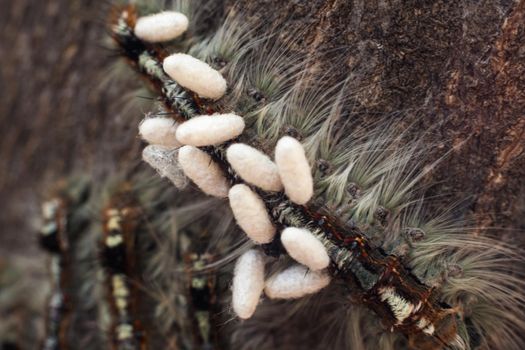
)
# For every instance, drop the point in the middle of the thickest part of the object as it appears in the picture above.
(54, 238)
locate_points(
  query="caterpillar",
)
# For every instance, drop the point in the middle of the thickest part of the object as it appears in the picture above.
(63, 223)
(121, 221)
(350, 220)
(53, 238)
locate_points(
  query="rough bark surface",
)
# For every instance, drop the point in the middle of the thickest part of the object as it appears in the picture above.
(453, 68)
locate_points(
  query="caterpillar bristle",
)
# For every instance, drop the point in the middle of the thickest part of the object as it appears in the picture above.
(225, 46)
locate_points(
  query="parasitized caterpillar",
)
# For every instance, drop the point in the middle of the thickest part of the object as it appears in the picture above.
(404, 294)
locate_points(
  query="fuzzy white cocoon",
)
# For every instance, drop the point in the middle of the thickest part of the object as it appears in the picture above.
(203, 171)
(162, 26)
(251, 214)
(295, 282)
(195, 75)
(207, 130)
(159, 131)
(248, 283)
(164, 160)
(305, 248)
(254, 167)
(294, 170)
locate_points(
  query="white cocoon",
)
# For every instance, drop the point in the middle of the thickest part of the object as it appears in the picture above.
(203, 171)
(294, 170)
(159, 131)
(195, 75)
(248, 283)
(254, 167)
(164, 160)
(295, 282)
(207, 130)
(163, 26)
(305, 248)
(251, 214)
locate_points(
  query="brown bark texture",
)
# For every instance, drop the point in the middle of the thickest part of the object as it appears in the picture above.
(453, 69)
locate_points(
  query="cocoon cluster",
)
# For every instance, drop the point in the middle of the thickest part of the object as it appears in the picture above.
(254, 167)
(195, 75)
(207, 130)
(251, 214)
(248, 283)
(295, 282)
(163, 26)
(203, 171)
(305, 248)
(294, 170)
(164, 161)
(159, 131)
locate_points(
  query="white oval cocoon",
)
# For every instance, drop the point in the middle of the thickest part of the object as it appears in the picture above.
(163, 26)
(207, 130)
(159, 131)
(254, 167)
(248, 283)
(195, 75)
(295, 282)
(294, 170)
(305, 248)
(164, 160)
(251, 214)
(203, 171)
